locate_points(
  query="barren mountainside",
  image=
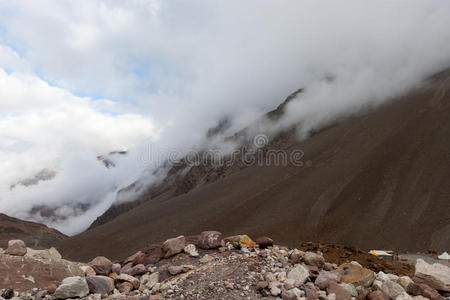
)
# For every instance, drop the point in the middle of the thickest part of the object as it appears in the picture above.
(376, 181)
(34, 234)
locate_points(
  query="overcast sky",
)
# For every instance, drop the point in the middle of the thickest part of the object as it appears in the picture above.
(82, 78)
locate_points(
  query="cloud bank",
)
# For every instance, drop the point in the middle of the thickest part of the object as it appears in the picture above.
(80, 79)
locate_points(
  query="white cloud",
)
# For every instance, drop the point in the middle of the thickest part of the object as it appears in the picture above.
(42, 126)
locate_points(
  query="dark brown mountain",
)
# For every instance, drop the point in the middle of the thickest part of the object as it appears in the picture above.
(377, 180)
(35, 235)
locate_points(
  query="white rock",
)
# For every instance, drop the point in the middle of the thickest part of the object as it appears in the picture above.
(377, 283)
(275, 291)
(392, 277)
(392, 289)
(72, 287)
(299, 273)
(381, 276)
(435, 275)
(191, 250)
(332, 296)
(356, 263)
(444, 256)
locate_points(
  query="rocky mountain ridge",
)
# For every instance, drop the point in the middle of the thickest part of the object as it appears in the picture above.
(36, 235)
(367, 180)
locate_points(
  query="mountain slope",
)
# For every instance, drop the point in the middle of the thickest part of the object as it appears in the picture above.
(35, 235)
(376, 181)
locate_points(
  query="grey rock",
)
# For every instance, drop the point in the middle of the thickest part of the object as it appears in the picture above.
(299, 273)
(101, 265)
(100, 284)
(392, 289)
(16, 247)
(72, 287)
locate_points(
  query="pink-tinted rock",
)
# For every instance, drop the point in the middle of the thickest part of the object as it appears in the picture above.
(311, 294)
(325, 278)
(377, 295)
(313, 271)
(135, 258)
(89, 271)
(101, 265)
(421, 289)
(173, 246)
(100, 284)
(328, 266)
(16, 247)
(125, 287)
(126, 269)
(138, 270)
(340, 292)
(209, 240)
(262, 285)
(51, 288)
(115, 268)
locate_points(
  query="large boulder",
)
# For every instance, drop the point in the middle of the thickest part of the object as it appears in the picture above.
(100, 284)
(16, 247)
(173, 246)
(209, 240)
(72, 287)
(24, 273)
(101, 265)
(435, 275)
(356, 275)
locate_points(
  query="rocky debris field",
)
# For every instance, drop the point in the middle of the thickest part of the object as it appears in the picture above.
(210, 266)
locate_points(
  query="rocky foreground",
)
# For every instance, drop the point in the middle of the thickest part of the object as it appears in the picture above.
(209, 266)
